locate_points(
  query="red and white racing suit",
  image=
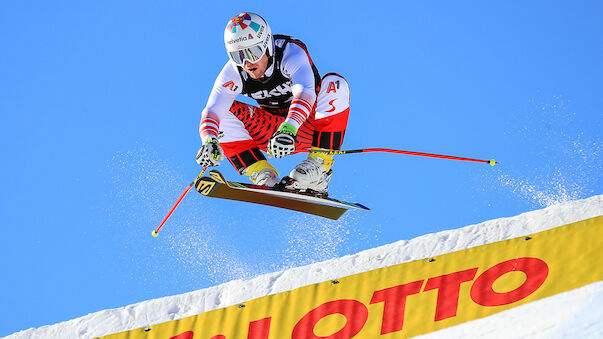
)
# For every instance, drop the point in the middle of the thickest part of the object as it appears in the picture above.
(290, 91)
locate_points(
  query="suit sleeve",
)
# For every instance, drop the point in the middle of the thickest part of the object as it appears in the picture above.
(297, 66)
(227, 86)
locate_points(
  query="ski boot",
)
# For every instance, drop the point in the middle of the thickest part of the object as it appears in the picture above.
(311, 176)
(262, 174)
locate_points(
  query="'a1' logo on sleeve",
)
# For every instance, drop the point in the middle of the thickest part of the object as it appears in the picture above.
(230, 84)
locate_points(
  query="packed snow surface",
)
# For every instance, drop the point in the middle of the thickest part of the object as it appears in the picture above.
(574, 313)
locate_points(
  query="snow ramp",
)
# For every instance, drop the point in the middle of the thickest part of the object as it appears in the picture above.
(534, 274)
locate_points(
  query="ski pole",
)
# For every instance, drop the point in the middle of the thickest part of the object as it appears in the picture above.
(387, 150)
(156, 231)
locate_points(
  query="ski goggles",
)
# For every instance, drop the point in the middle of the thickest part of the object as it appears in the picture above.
(251, 54)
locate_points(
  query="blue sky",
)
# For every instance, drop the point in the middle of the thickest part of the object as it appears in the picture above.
(100, 105)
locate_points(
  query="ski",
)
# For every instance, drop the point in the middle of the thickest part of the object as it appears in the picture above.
(216, 186)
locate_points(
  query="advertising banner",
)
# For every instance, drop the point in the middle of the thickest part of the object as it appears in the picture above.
(412, 298)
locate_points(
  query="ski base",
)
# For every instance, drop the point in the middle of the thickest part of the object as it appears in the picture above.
(217, 186)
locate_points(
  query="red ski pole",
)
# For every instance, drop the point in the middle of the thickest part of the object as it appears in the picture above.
(387, 150)
(156, 231)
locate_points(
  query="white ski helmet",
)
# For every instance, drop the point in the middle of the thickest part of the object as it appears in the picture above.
(248, 37)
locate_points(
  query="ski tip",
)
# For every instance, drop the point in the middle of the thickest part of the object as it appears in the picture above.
(155, 234)
(492, 162)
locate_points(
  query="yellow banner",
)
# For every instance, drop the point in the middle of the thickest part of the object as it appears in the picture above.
(413, 298)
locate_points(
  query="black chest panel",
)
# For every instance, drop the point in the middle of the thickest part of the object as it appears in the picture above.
(274, 93)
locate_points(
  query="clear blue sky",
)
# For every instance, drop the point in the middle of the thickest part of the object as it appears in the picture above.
(100, 104)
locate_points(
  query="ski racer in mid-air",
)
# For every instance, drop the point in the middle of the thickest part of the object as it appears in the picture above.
(298, 110)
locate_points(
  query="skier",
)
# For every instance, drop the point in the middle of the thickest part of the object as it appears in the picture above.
(298, 110)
